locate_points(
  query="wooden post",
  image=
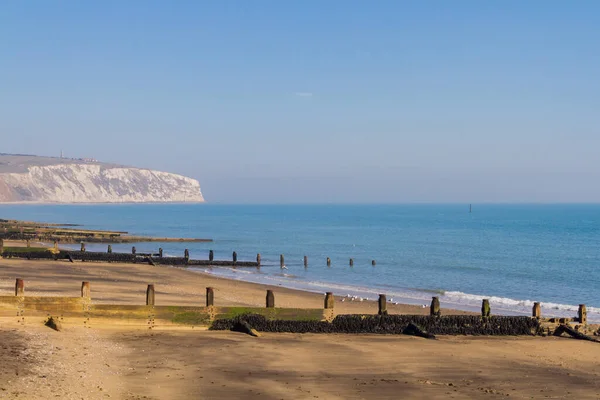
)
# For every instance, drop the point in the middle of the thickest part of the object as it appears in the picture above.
(328, 262)
(537, 310)
(234, 257)
(258, 259)
(85, 290)
(160, 252)
(329, 300)
(352, 262)
(55, 245)
(82, 247)
(210, 297)
(28, 243)
(382, 305)
(109, 250)
(133, 250)
(582, 314)
(1, 246)
(211, 255)
(270, 299)
(305, 261)
(434, 310)
(373, 263)
(19, 287)
(150, 295)
(485, 308)
(186, 255)
(281, 261)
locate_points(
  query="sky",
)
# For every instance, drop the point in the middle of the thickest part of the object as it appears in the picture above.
(305, 101)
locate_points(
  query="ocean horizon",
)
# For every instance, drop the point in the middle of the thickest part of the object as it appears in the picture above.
(512, 254)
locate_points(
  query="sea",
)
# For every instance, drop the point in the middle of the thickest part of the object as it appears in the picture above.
(513, 255)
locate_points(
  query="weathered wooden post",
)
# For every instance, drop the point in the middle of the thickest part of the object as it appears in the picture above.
(434, 310)
(536, 312)
(485, 308)
(270, 299)
(109, 250)
(55, 245)
(211, 256)
(186, 255)
(306, 261)
(150, 295)
(281, 261)
(19, 287)
(352, 262)
(85, 290)
(28, 243)
(210, 297)
(382, 305)
(373, 263)
(258, 259)
(329, 300)
(133, 250)
(328, 262)
(1, 247)
(582, 314)
(160, 252)
(234, 257)
(82, 247)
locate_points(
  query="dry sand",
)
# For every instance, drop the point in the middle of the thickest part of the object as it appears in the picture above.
(134, 363)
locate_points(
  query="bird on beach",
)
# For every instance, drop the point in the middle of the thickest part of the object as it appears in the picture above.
(283, 267)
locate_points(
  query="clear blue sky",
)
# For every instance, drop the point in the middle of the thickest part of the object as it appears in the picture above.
(315, 101)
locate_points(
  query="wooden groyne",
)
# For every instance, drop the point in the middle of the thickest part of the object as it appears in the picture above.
(270, 318)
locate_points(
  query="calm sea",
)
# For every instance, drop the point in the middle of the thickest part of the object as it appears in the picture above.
(511, 254)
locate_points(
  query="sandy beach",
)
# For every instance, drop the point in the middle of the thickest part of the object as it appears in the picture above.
(108, 361)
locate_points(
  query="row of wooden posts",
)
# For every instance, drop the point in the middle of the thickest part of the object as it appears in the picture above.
(211, 256)
(435, 309)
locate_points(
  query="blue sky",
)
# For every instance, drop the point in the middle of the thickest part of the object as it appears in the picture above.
(315, 101)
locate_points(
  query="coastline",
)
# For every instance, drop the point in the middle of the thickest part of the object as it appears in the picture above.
(101, 359)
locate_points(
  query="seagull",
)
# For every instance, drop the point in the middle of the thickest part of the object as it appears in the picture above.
(283, 267)
(361, 299)
(343, 299)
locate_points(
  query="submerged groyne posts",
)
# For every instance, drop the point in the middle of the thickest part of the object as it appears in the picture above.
(258, 259)
(582, 314)
(382, 305)
(160, 252)
(85, 290)
(329, 301)
(352, 262)
(109, 250)
(150, 295)
(82, 247)
(211, 256)
(133, 250)
(305, 261)
(186, 255)
(270, 299)
(234, 257)
(536, 312)
(485, 308)
(281, 261)
(210, 297)
(19, 287)
(328, 262)
(434, 310)
(373, 263)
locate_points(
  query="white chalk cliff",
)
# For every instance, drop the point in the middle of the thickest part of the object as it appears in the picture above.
(57, 180)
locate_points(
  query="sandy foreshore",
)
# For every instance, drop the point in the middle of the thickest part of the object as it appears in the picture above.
(133, 363)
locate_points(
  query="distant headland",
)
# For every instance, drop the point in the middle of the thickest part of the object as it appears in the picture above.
(34, 179)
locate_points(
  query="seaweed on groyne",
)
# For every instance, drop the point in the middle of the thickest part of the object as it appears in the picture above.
(471, 325)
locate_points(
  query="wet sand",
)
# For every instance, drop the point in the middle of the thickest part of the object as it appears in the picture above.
(133, 363)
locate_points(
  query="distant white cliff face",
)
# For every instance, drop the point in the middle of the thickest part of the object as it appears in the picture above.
(96, 183)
